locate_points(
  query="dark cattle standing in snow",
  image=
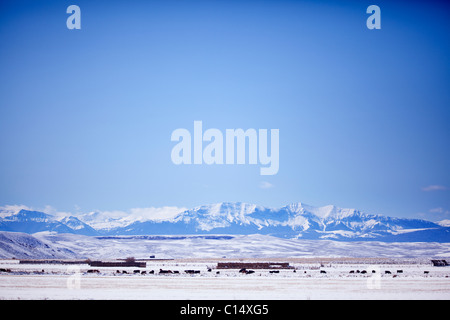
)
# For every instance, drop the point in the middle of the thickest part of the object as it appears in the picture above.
(192, 271)
(254, 265)
(161, 271)
(93, 271)
(245, 271)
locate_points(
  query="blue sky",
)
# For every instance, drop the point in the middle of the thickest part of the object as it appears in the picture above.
(86, 115)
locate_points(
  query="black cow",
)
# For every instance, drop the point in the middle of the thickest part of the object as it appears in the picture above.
(93, 271)
(161, 271)
(192, 271)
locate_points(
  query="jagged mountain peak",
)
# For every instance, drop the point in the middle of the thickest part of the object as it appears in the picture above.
(296, 220)
(226, 207)
(30, 215)
(324, 213)
(75, 223)
(30, 221)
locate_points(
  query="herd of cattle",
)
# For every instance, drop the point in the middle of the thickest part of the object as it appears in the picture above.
(243, 271)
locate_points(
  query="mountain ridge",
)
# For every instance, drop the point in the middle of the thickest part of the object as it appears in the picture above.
(293, 221)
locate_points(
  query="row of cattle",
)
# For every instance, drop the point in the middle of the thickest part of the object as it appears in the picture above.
(161, 271)
(190, 271)
(385, 272)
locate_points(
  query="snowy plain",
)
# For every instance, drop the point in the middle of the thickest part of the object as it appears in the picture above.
(323, 268)
(44, 281)
(70, 246)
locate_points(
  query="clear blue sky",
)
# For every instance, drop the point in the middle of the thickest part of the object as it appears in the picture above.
(86, 115)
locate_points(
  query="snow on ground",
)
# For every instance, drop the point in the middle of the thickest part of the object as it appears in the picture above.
(308, 257)
(54, 287)
(235, 246)
(73, 282)
(70, 246)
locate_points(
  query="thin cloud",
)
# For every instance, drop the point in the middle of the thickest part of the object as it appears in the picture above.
(439, 210)
(142, 214)
(158, 214)
(434, 187)
(265, 185)
(9, 210)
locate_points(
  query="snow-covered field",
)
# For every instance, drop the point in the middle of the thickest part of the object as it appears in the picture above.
(71, 246)
(342, 262)
(57, 281)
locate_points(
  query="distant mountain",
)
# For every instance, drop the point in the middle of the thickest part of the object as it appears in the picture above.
(34, 221)
(296, 220)
(78, 226)
(293, 221)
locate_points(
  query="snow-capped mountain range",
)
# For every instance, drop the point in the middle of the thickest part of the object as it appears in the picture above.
(296, 220)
